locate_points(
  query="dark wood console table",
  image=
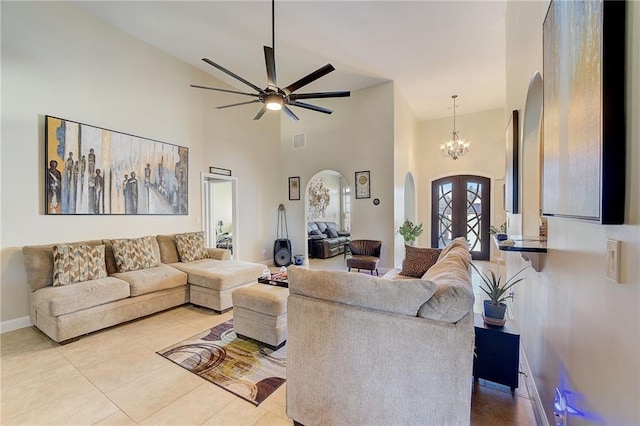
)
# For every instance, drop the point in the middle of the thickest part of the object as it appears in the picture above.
(497, 352)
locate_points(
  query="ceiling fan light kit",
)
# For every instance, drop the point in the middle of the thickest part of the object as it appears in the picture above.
(273, 97)
(455, 147)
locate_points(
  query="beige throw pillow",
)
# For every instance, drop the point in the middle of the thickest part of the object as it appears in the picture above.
(73, 263)
(134, 254)
(417, 261)
(191, 246)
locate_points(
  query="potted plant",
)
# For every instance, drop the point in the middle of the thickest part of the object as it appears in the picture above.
(501, 234)
(498, 292)
(410, 232)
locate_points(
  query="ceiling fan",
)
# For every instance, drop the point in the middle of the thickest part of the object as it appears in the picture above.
(273, 96)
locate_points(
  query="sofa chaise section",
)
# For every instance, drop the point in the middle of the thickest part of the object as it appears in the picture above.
(211, 281)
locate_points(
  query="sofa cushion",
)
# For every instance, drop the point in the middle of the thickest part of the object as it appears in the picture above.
(316, 232)
(154, 279)
(397, 296)
(417, 260)
(454, 297)
(332, 233)
(134, 254)
(75, 263)
(191, 246)
(456, 242)
(38, 263)
(56, 301)
(220, 274)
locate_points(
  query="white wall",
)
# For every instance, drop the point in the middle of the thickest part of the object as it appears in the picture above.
(486, 132)
(405, 160)
(357, 136)
(580, 331)
(60, 61)
(250, 149)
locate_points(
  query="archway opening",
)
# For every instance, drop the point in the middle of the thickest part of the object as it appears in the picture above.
(328, 219)
(531, 154)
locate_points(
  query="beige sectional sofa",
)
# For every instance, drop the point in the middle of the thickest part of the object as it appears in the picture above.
(393, 350)
(67, 311)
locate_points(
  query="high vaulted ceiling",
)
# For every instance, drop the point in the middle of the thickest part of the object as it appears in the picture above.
(430, 49)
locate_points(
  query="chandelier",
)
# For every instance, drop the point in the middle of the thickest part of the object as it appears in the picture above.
(455, 147)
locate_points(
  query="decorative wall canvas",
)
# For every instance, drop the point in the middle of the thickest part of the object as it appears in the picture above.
(294, 188)
(511, 167)
(319, 199)
(90, 170)
(363, 184)
(584, 110)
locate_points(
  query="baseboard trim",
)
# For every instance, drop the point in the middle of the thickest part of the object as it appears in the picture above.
(532, 390)
(15, 324)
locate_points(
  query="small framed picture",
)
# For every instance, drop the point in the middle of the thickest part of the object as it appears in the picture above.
(363, 184)
(294, 188)
(220, 171)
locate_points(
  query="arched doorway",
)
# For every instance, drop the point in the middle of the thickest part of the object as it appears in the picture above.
(409, 198)
(461, 207)
(327, 198)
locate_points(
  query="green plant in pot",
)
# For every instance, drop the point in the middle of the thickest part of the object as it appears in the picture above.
(498, 292)
(501, 234)
(410, 232)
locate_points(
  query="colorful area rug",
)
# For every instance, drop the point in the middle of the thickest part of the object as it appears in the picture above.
(242, 366)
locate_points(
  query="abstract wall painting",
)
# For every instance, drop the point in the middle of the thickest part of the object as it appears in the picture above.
(94, 171)
(584, 111)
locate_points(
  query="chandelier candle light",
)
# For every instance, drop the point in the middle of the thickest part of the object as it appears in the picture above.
(456, 147)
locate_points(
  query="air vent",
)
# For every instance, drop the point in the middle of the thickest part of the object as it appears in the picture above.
(299, 141)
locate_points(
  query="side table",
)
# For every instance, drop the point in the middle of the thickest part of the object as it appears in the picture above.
(497, 352)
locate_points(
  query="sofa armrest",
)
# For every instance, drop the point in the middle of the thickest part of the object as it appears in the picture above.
(344, 233)
(219, 254)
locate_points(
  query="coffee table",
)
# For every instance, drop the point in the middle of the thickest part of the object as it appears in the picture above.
(279, 282)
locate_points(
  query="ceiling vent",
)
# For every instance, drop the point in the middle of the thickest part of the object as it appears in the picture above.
(299, 141)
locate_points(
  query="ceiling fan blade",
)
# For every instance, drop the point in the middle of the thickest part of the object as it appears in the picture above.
(224, 90)
(296, 96)
(311, 107)
(320, 72)
(237, 77)
(290, 113)
(270, 61)
(260, 113)
(238, 104)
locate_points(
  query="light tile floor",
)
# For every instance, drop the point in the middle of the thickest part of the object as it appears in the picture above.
(114, 377)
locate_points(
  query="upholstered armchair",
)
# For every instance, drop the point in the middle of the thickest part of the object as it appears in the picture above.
(365, 255)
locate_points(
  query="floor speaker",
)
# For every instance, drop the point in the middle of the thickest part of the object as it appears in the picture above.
(282, 252)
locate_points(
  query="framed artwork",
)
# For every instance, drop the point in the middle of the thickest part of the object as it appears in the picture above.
(90, 170)
(363, 184)
(511, 166)
(583, 172)
(294, 188)
(220, 171)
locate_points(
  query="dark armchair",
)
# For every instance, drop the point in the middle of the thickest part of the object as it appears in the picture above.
(365, 255)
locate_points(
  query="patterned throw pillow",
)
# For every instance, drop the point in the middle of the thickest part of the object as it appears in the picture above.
(191, 246)
(75, 263)
(417, 261)
(134, 254)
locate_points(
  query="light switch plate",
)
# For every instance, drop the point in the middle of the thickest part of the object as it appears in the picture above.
(613, 260)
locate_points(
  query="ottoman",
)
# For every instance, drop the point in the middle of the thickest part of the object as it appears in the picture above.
(260, 313)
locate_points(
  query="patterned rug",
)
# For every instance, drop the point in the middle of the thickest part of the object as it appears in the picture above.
(242, 366)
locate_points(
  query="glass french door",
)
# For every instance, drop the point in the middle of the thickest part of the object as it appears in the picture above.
(460, 206)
